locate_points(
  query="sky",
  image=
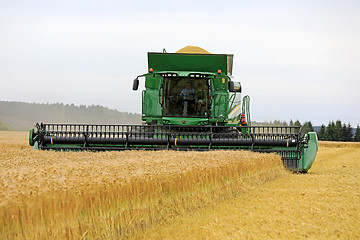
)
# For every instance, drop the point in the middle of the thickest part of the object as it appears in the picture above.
(295, 59)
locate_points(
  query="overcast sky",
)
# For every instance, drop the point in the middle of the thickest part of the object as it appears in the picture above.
(295, 59)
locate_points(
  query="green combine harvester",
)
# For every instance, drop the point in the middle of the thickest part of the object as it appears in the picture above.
(190, 102)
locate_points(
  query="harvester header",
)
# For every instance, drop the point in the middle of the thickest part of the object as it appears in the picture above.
(190, 102)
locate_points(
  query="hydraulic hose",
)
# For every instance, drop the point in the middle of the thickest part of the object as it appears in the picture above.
(246, 109)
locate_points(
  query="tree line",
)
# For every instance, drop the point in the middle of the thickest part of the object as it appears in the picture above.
(334, 131)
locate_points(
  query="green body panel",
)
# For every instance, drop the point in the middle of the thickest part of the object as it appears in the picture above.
(309, 152)
(153, 82)
(190, 62)
(220, 106)
(220, 103)
(220, 84)
(151, 104)
(185, 121)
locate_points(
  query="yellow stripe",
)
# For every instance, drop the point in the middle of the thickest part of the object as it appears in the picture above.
(52, 140)
(234, 110)
(175, 141)
(287, 143)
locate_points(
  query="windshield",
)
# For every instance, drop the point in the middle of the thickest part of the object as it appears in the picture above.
(187, 97)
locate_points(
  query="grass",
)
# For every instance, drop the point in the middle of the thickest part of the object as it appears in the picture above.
(112, 195)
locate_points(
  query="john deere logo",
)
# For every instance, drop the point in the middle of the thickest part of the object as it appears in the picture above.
(183, 121)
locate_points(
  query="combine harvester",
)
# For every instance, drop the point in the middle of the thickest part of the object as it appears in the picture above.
(189, 103)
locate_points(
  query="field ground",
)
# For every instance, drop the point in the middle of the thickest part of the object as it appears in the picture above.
(322, 204)
(112, 195)
(170, 195)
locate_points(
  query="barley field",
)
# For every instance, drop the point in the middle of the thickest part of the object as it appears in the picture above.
(322, 204)
(176, 195)
(116, 195)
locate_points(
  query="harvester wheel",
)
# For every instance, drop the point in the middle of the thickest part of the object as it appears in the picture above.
(31, 137)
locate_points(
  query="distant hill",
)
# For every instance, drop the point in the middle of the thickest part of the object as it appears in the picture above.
(23, 116)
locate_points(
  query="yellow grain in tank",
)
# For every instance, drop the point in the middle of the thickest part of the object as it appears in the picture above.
(193, 49)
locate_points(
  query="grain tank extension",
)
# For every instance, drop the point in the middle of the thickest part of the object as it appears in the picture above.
(190, 102)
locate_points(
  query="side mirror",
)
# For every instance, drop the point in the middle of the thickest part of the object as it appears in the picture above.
(231, 86)
(136, 84)
(234, 87)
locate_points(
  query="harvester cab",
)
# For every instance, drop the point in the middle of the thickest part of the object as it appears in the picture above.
(190, 89)
(190, 102)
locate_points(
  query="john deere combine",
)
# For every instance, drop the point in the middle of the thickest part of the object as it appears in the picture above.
(190, 102)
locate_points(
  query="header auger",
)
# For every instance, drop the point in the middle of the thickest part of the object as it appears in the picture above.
(190, 102)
